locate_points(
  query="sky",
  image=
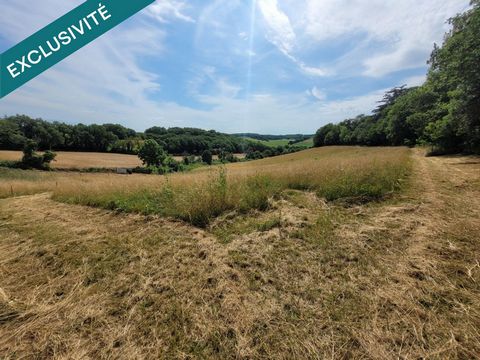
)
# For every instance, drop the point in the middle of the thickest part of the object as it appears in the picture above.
(264, 66)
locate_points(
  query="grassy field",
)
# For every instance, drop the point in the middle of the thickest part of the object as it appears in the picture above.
(83, 160)
(306, 143)
(282, 142)
(354, 174)
(338, 253)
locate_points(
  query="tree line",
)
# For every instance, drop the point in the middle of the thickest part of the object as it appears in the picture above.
(19, 130)
(443, 113)
(294, 137)
(16, 131)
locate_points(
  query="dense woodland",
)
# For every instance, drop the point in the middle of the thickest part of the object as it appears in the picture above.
(195, 141)
(15, 131)
(443, 113)
(295, 138)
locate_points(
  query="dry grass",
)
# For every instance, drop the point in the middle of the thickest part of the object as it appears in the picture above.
(82, 160)
(304, 279)
(85, 160)
(313, 168)
(352, 174)
(21, 182)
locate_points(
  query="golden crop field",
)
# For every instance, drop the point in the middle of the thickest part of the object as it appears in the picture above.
(85, 160)
(338, 252)
(82, 160)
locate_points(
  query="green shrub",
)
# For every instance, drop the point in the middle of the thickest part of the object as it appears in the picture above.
(207, 157)
(152, 154)
(31, 160)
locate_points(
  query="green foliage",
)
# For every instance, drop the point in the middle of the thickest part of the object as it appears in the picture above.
(195, 141)
(444, 112)
(207, 157)
(269, 152)
(31, 160)
(268, 138)
(152, 154)
(227, 157)
(270, 224)
(16, 130)
(10, 135)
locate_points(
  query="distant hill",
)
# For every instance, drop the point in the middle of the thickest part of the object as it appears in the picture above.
(273, 137)
(278, 140)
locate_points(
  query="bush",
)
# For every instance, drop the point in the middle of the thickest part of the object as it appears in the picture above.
(10, 164)
(152, 154)
(207, 157)
(31, 160)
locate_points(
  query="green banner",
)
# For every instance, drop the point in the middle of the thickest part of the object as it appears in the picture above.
(61, 38)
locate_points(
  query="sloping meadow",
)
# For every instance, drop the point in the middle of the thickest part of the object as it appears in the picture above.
(347, 174)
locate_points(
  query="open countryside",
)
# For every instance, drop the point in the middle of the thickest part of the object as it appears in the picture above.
(355, 237)
(85, 160)
(277, 251)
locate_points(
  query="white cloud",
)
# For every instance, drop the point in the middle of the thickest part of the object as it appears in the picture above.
(317, 93)
(163, 10)
(291, 113)
(219, 87)
(279, 30)
(312, 70)
(397, 34)
(243, 35)
(281, 34)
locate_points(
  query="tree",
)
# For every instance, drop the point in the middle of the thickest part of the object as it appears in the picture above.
(319, 138)
(151, 153)
(444, 112)
(455, 75)
(207, 157)
(31, 159)
(389, 99)
(10, 136)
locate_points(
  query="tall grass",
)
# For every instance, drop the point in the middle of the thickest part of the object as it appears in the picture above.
(334, 173)
(348, 173)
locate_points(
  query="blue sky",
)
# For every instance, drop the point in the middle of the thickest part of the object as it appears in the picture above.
(266, 66)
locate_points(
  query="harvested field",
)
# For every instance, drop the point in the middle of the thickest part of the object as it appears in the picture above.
(83, 160)
(398, 277)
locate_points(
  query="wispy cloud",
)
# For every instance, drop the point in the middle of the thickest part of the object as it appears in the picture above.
(317, 94)
(397, 35)
(281, 34)
(164, 10)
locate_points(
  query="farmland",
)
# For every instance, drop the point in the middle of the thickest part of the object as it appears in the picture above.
(340, 252)
(82, 160)
(200, 196)
(85, 160)
(282, 142)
